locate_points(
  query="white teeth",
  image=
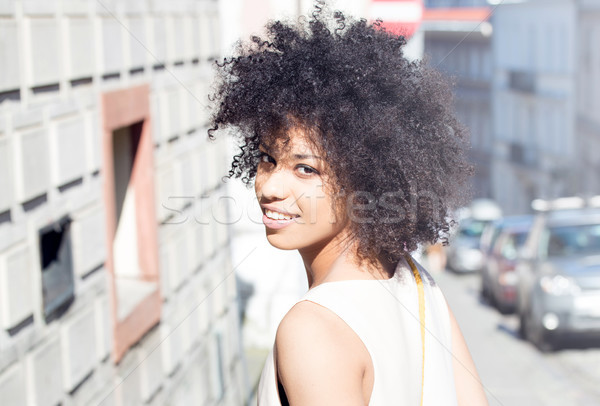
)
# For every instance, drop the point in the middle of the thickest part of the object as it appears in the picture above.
(274, 215)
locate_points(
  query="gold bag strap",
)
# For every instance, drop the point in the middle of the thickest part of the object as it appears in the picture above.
(421, 293)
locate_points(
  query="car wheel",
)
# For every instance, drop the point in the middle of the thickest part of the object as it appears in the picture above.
(522, 326)
(485, 292)
(536, 335)
(544, 343)
(504, 308)
(492, 298)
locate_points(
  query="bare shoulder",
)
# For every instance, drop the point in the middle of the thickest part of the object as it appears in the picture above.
(469, 388)
(317, 331)
(319, 357)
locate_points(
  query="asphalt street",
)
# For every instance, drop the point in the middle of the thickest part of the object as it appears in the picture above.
(513, 371)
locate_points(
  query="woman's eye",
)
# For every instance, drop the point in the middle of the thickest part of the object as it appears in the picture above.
(306, 170)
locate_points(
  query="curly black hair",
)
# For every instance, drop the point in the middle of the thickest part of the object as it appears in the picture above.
(386, 124)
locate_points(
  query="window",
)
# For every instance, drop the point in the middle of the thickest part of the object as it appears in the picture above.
(131, 226)
(58, 291)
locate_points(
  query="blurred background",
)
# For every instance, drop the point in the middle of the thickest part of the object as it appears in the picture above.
(131, 273)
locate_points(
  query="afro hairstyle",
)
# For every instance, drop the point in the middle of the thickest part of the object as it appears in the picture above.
(386, 123)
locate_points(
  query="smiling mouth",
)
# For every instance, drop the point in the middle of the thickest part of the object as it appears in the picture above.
(274, 215)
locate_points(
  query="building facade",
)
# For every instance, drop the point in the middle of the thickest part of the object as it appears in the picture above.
(116, 283)
(528, 92)
(534, 103)
(588, 96)
(458, 41)
(456, 3)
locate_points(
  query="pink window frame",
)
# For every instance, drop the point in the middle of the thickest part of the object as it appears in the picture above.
(122, 108)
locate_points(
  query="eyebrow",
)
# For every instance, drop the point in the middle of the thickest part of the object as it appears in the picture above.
(305, 156)
(296, 156)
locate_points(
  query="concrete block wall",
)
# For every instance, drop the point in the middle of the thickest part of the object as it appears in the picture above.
(9, 73)
(63, 55)
(16, 276)
(44, 382)
(32, 164)
(6, 175)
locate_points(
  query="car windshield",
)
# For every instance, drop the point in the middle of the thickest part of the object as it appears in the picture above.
(573, 240)
(472, 228)
(513, 242)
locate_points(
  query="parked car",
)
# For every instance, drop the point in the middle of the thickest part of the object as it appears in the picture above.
(499, 244)
(559, 277)
(463, 253)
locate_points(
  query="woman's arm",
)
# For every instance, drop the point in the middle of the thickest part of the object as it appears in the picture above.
(469, 389)
(318, 358)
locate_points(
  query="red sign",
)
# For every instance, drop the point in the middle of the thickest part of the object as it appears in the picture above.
(399, 16)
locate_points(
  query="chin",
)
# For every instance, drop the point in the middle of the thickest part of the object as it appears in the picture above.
(282, 242)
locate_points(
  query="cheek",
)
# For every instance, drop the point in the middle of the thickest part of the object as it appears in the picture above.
(323, 202)
(336, 215)
(334, 206)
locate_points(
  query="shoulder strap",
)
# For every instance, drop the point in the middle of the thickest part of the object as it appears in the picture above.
(421, 293)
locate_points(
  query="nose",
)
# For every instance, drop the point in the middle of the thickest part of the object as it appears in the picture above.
(271, 185)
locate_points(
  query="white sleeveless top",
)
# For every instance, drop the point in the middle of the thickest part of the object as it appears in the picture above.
(385, 315)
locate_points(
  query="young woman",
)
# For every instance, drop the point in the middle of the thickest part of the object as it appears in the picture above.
(356, 159)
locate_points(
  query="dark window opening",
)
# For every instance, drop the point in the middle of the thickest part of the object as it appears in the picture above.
(55, 87)
(110, 76)
(5, 217)
(81, 81)
(136, 71)
(126, 141)
(56, 258)
(70, 185)
(34, 203)
(20, 326)
(10, 95)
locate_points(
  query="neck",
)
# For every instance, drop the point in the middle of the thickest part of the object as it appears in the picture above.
(337, 260)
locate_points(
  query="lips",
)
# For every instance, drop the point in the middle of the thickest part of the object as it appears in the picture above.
(276, 224)
(277, 215)
(275, 219)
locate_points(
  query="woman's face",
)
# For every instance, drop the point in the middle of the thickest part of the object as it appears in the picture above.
(298, 210)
